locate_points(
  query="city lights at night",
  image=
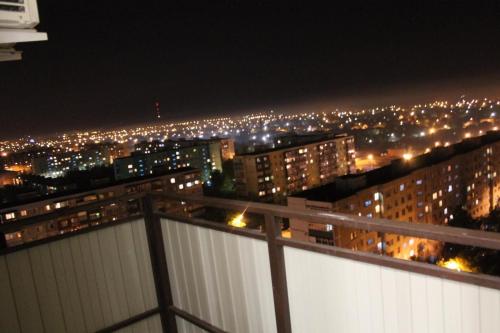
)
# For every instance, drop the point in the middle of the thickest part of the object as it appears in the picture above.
(237, 166)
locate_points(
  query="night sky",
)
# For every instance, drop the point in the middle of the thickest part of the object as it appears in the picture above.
(105, 64)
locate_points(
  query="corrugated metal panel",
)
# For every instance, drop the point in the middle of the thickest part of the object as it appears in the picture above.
(184, 326)
(78, 284)
(331, 294)
(221, 278)
(149, 325)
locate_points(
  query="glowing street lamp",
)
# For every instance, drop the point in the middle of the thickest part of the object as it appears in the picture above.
(407, 156)
(237, 221)
(456, 264)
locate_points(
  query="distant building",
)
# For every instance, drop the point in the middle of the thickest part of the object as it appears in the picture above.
(205, 155)
(303, 164)
(425, 189)
(54, 164)
(8, 178)
(227, 148)
(186, 181)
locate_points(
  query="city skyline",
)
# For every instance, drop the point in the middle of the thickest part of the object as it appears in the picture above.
(233, 167)
(236, 57)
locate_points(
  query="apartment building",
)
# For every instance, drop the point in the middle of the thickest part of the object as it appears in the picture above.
(56, 164)
(186, 181)
(227, 148)
(8, 178)
(272, 174)
(425, 189)
(205, 155)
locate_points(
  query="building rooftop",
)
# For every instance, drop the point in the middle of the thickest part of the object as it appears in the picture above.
(302, 139)
(95, 186)
(348, 185)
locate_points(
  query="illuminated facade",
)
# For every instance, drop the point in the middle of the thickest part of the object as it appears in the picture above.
(227, 148)
(8, 178)
(56, 164)
(186, 182)
(205, 155)
(425, 189)
(271, 175)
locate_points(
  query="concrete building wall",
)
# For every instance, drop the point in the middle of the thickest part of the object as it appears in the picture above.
(273, 175)
(426, 195)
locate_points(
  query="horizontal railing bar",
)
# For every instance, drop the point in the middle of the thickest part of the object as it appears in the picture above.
(406, 265)
(214, 225)
(69, 234)
(195, 320)
(484, 239)
(61, 212)
(130, 321)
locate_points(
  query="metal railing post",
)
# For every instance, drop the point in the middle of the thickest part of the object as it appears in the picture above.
(278, 275)
(159, 264)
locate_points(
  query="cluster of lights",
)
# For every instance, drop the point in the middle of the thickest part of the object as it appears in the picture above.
(461, 118)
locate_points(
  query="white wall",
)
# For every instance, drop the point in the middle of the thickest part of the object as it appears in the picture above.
(331, 294)
(221, 278)
(78, 284)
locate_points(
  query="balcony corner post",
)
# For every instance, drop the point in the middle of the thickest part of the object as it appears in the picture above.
(159, 264)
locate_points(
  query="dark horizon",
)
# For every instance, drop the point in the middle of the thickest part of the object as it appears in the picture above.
(105, 67)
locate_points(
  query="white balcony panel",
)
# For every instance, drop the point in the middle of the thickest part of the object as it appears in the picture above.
(149, 325)
(184, 326)
(222, 278)
(78, 284)
(332, 294)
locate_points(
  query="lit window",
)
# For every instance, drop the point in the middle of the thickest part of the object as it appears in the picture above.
(60, 205)
(402, 187)
(376, 196)
(419, 181)
(434, 195)
(10, 216)
(329, 227)
(368, 203)
(377, 209)
(172, 180)
(181, 186)
(450, 188)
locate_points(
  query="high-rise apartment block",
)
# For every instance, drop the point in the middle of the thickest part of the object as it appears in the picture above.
(184, 182)
(425, 189)
(275, 173)
(57, 164)
(205, 155)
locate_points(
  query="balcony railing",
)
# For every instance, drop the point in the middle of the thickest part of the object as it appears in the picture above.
(175, 272)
